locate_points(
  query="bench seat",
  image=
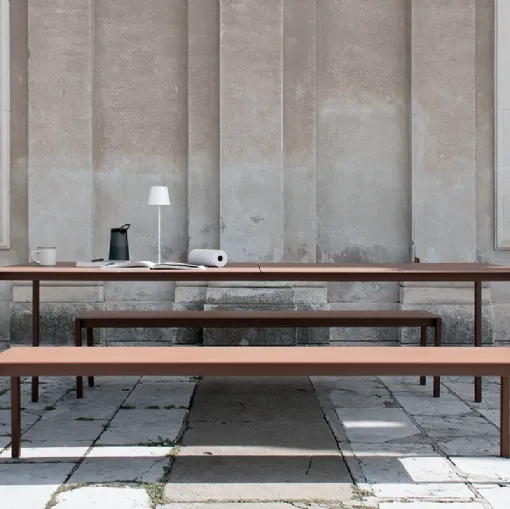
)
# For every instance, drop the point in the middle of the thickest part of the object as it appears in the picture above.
(17, 362)
(251, 319)
(246, 319)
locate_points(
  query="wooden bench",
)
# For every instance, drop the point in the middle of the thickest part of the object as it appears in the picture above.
(255, 361)
(250, 319)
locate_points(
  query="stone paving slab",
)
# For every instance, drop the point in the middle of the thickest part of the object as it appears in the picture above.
(372, 425)
(4, 442)
(490, 399)
(456, 426)
(262, 407)
(104, 498)
(58, 432)
(431, 505)
(409, 471)
(30, 485)
(491, 415)
(164, 379)
(255, 438)
(262, 384)
(224, 459)
(494, 469)
(49, 394)
(497, 496)
(234, 505)
(425, 404)
(174, 394)
(470, 446)
(406, 384)
(45, 454)
(126, 464)
(138, 426)
(27, 420)
(444, 492)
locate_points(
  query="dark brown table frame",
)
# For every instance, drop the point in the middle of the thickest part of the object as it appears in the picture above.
(476, 273)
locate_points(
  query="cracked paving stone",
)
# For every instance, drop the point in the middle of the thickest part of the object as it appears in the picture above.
(111, 464)
(100, 497)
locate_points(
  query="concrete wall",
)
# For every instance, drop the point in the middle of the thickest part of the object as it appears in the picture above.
(286, 130)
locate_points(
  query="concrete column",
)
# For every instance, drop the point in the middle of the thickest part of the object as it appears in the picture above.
(140, 123)
(443, 133)
(60, 133)
(251, 144)
(299, 127)
(203, 125)
(443, 101)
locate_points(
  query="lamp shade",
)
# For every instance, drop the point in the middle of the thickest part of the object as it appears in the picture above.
(158, 195)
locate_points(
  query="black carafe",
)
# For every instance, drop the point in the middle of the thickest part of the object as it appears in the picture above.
(119, 249)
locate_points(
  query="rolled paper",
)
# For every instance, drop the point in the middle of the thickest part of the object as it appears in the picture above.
(208, 257)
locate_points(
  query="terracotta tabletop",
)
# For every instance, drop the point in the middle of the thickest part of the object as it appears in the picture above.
(67, 271)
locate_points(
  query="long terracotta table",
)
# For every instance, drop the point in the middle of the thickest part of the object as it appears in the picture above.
(476, 273)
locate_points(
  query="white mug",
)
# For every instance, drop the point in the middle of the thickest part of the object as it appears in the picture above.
(47, 255)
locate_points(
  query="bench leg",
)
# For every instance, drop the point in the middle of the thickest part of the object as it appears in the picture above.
(36, 312)
(504, 422)
(478, 335)
(90, 342)
(437, 343)
(78, 342)
(423, 342)
(15, 416)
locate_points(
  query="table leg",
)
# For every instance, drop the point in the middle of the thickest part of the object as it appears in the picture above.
(36, 294)
(504, 422)
(15, 416)
(437, 343)
(78, 342)
(423, 342)
(90, 343)
(478, 335)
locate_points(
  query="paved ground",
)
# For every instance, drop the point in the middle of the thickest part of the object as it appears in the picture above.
(179, 443)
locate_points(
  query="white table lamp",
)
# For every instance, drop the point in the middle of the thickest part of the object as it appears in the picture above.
(159, 196)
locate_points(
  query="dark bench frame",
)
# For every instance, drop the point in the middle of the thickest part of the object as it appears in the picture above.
(90, 320)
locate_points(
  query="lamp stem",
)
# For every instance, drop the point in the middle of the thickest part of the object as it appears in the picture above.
(159, 234)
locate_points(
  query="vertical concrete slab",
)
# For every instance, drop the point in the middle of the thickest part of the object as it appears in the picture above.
(60, 137)
(203, 124)
(299, 128)
(140, 123)
(362, 131)
(443, 65)
(251, 132)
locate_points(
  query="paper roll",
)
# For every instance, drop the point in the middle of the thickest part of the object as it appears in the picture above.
(208, 257)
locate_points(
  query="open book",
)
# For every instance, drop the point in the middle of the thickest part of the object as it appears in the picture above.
(151, 265)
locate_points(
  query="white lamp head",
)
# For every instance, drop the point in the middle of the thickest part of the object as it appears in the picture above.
(158, 195)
